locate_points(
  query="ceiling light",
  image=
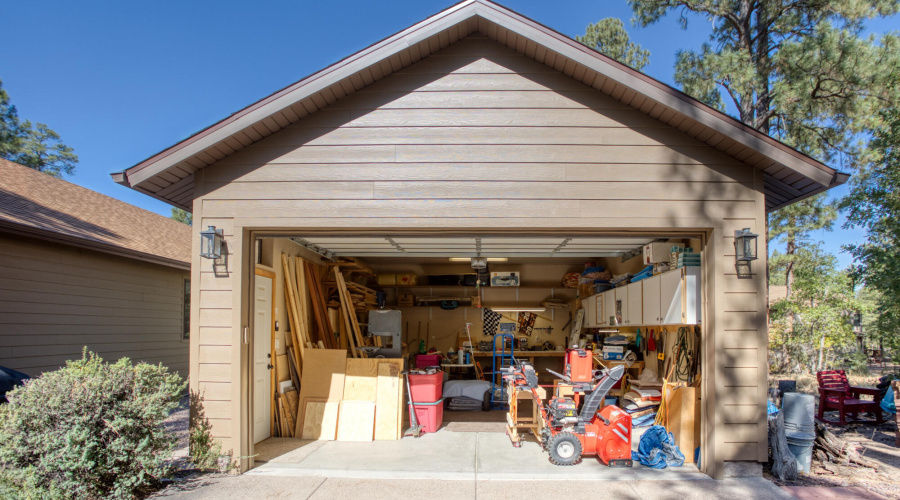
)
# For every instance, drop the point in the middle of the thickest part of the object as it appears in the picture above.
(518, 309)
(469, 259)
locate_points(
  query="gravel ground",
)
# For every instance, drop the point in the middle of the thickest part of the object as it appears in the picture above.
(178, 423)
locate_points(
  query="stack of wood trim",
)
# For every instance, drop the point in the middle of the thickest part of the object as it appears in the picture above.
(348, 313)
(310, 328)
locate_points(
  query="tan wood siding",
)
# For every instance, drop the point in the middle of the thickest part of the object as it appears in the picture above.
(56, 299)
(482, 138)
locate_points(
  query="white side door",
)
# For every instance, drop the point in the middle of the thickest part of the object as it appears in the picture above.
(262, 349)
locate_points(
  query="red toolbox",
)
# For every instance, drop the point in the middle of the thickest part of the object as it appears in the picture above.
(429, 415)
(426, 388)
(426, 360)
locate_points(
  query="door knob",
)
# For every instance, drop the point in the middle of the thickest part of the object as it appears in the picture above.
(269, 366)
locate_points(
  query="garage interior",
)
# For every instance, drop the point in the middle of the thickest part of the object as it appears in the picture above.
(541, 293)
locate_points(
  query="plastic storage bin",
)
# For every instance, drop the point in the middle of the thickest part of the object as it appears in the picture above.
(426, 360)
(426, 388)
(429, 415)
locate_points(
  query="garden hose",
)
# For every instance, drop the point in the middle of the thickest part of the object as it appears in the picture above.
(685, 350)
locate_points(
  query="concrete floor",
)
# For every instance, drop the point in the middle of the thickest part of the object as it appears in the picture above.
(442, 455)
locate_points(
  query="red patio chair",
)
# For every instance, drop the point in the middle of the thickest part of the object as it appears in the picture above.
(835, 393)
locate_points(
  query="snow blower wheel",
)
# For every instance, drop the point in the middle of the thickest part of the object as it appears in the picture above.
(564, 449)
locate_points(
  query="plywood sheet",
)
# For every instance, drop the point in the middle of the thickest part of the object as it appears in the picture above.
(356, 421)
(321, 419)
(360, 382)
(387, 400)
(322, 377)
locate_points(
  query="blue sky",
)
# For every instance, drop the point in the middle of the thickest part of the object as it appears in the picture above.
(121, 81)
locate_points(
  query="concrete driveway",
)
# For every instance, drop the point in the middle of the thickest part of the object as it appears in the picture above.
(451, 465)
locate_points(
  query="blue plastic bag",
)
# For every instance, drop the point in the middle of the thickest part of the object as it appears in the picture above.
(657, 449)
(888, 404)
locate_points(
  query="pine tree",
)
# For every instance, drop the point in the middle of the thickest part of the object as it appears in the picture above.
(609, 37)
(33, 145)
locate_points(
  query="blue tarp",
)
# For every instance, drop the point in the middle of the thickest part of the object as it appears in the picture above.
(887, 403)
(657, 449)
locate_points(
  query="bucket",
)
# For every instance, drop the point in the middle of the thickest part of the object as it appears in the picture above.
(802, 450)
(799, 410)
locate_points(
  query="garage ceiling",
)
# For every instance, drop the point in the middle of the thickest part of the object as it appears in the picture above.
(473, 246)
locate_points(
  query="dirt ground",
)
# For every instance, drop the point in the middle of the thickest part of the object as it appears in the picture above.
(874, 442)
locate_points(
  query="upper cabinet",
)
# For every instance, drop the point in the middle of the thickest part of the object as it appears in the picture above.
(680, 296)
(671, 298)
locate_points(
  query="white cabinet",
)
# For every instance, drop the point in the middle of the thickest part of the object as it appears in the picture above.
(634, 316)
(652, 302)
(599, 311)
(680, 296)
(609, 308)
(590, 311)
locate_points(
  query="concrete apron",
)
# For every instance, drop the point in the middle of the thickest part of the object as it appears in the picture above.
(443, 455)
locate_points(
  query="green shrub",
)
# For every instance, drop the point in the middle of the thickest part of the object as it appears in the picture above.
(88, 430)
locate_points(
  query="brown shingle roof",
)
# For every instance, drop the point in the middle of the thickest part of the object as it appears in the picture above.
(35, 203)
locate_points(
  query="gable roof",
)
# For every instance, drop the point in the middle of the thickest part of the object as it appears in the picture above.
(39, 205)
(789, 175)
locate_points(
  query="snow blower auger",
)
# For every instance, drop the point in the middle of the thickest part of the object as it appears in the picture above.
(568, 434)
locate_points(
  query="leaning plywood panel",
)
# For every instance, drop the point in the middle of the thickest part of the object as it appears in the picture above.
(322, 377)
(356, 421)
(321, 420)
(360, 383)
(388, 399)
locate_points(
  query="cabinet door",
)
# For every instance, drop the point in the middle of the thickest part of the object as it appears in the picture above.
(672, 297)
(621, 311)
(590, 311)
(650, 294)
(609, 308)
(598, 309)
(635, 303)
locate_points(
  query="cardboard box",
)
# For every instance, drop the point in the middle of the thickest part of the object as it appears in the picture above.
(657, 252)
(613, 352)
(505, 278)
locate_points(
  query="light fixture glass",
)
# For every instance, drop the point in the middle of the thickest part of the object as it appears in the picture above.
(211, 243)
(745, 246)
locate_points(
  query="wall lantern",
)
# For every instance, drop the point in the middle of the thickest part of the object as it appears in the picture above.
(211, 243)
(745, 245)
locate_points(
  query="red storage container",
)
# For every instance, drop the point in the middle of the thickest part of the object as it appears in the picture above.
(426, 360)
(426, 388)
(429, 415)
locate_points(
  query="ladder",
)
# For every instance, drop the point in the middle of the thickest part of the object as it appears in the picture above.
(500, 359)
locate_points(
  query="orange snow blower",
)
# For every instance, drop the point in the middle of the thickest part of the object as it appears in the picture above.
(568, 434)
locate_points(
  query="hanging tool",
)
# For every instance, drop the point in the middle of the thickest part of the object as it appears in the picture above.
(651, 342)
(661, 352)
(637, 339)
(415, 429)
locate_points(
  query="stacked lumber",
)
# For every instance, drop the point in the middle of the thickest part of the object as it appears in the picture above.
(350, 399)
(351, 329)
(310, 328)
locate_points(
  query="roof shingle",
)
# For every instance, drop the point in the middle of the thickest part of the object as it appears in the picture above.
(35, 202)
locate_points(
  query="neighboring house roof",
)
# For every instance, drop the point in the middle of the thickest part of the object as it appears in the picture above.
(40, 205)
(789, 176)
